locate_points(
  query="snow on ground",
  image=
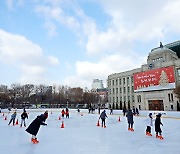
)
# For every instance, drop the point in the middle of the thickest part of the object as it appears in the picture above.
(82, 136)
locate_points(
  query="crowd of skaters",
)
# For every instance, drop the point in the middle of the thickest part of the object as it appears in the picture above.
(34, 126)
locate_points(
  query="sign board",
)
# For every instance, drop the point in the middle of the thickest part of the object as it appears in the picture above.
(156, 79)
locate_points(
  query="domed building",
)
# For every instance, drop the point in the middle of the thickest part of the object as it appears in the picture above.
(149, 87)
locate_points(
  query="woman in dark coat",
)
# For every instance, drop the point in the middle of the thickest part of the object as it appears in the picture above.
(129, 116)
(157, 126)
(35, 125)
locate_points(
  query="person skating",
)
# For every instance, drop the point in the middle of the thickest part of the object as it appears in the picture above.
(67, 113)
(24, 115)
(35, 125)
(103, 117)
(111, 111)
(157, 126)
(129, 116)
(149, 122)
(13, 117)
(62, 113)
(124, 111)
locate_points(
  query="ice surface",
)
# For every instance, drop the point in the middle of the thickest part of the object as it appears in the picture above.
(82, 136)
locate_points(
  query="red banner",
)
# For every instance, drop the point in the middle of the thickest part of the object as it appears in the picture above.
(162, 76)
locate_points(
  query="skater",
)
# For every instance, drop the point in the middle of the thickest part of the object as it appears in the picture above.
(134, 111)
(124, 111)
(149, 121)
(46, 114)
(99, 110)
(35, 125)
(157, 126)
(111, 111)
(67, 113)
(62, 113)
(129, 116)
(23, 117)
(78, 110)
(103, 117)
(89, 110)
(137, 111)
(13, 117)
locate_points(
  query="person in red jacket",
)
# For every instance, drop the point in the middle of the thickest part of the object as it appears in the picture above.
(62, 113)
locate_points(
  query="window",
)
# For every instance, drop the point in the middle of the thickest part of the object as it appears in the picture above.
(123, 80)
(120, 99)
(139, 98)
(116, 90)
(120, 81)
(113, 90)
(116, 99)
(124, 98)
(128, 80)
(132, 79)
(132, 88)
(172, 97)
(128, 98)
(124, 89)
(133, 98)
(169, 97)
(116, 81)
(113, 82)
(120, 90)
(128, 89)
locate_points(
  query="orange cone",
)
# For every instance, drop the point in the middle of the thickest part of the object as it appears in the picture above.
(119, 119)
(17, 122)
(98, 123)
(5, 118)
(59, 118)
(62, 125)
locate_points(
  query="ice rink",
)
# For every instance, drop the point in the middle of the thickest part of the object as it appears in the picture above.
(82, 136)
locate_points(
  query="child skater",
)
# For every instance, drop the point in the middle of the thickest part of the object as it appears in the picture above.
(103, 117)
(13, 117)
(157, 126)
(149, 121)
(24, 115)
(35, 125)
(129, 116)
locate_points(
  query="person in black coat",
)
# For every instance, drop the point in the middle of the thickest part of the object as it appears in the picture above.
(24, 115)
(103, 117)
(35, 125)
(129, 116)
(157, 126)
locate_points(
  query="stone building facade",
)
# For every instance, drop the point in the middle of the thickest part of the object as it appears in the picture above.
(149, 87)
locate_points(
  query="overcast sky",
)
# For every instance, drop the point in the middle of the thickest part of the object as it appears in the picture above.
(72, 42)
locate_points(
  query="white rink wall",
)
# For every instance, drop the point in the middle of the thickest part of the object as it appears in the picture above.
(165, 114)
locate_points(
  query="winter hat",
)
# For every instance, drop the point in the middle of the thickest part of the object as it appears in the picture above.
(150, 114)
(159, 114)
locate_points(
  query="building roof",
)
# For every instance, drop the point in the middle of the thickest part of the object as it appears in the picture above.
(174, 46)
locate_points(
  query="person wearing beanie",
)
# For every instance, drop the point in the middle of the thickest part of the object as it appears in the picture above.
(157, 126)
(149, 122)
